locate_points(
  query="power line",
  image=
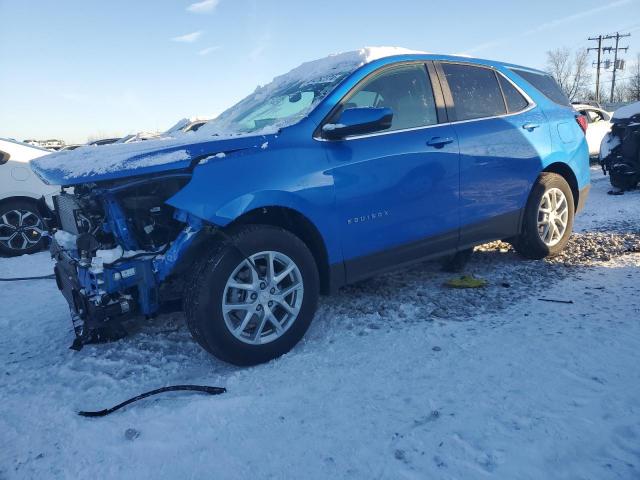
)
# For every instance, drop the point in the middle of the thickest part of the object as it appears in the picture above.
(598, 62)
(616, 64)
(615, 61)
(608, 81)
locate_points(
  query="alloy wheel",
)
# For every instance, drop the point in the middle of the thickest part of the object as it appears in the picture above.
(20, 229)
(553, 216)
(262, 297)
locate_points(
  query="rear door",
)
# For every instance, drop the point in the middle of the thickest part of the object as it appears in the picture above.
(397, 191)
(502, 137)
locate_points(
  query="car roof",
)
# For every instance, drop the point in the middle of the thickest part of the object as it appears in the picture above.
(456, 58)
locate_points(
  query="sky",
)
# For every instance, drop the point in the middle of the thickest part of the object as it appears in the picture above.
(74, 69)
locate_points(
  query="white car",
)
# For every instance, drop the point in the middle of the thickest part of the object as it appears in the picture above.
(23, 212)
(598, 125)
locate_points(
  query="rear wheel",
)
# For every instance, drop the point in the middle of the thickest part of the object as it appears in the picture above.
(249, 310)
(21, 228)
(548, 218)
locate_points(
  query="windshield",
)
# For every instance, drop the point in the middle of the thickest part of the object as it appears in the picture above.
(290, 97)
(275, 106)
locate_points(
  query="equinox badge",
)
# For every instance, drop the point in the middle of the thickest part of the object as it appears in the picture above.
(369, 216)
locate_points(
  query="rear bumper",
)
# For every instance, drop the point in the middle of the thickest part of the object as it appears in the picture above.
(582, 198)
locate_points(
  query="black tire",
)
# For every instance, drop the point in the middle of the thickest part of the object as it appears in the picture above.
(12, 248)
(623, 182)
(204, 297)
(528, 243)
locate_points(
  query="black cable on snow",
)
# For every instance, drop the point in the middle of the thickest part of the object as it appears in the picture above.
(20, 279)
(173, 388)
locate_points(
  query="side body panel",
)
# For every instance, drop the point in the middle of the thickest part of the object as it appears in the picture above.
(568, 142)
(393, 190)
(500, 159)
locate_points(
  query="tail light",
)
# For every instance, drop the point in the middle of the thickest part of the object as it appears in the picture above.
(582, 121)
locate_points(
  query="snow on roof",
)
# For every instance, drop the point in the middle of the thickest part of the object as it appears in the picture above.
(627, 111)
(335, 64)
(327, 70)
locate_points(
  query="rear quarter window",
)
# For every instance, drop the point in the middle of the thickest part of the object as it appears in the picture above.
(547, 86)
(515, 100)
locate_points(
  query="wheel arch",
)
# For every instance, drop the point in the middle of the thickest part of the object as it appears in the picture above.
(298, 224)
(566, 172)
(37, 202)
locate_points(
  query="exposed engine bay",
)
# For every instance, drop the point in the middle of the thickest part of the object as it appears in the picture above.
(149, 219)
(620, 152)
(117, 246)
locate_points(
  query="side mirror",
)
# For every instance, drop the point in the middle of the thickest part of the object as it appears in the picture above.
(4, 157)
(358, 121)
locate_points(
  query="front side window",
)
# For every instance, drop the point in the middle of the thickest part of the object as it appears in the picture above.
(475, 91)
(406, 90)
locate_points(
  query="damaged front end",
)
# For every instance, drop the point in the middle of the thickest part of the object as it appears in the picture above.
(118, 249)
(620, 152)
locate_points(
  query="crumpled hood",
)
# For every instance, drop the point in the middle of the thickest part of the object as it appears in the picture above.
(627, 112)
(111, 162)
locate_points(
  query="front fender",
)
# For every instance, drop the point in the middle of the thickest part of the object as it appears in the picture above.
(224, 189)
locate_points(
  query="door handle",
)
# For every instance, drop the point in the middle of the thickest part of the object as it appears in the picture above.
(530, 127)
(439, 142)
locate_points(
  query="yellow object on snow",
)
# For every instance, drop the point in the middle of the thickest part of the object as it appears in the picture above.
(466, 281)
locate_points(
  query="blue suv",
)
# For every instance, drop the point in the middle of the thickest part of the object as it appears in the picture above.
(341, 169)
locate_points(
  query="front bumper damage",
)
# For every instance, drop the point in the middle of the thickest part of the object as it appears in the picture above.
(102, 295)
(620, 153)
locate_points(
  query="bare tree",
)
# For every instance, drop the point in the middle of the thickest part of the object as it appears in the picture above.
(621, 92)
(633, 82)
(570, 70)
(590, 94)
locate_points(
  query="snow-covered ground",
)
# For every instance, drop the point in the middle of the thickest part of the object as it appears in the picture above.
(397, 378)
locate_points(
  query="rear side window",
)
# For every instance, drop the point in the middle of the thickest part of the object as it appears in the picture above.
(515, 100)
(475, 91)
(547, 85)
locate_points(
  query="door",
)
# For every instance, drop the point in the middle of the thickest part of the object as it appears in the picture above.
(397, 191)
(503, 136)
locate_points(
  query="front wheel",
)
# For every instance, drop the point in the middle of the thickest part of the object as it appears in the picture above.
(254, 296)
(548, 218)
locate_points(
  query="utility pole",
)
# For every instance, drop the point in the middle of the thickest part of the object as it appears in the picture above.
(599, 49)
(615, 60)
